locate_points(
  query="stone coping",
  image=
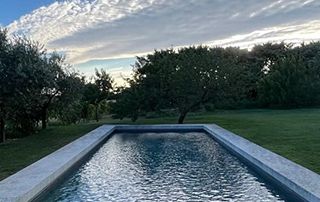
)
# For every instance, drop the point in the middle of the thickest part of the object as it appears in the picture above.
(28, 183)
(31, 181)
(291, 176)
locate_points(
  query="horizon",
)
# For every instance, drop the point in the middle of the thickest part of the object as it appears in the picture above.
(109, 34)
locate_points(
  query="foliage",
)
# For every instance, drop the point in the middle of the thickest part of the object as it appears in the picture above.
(36, 85)
(128, 103)
(30, 81)
(270, 75)
(167, 79)
(182, 80)
(67, 104)
(287, 84)
(23, 77)
(96, 92)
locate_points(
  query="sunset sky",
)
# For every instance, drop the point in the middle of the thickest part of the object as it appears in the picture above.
(110, 33)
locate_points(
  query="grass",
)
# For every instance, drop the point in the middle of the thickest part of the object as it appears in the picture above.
(19, 153)
(294, 134)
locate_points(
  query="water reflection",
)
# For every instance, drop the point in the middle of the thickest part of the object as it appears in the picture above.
(165, 167)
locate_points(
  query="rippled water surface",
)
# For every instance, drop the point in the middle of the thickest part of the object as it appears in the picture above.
(163, 167)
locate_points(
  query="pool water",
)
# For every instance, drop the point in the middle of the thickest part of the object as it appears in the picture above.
(164, 167)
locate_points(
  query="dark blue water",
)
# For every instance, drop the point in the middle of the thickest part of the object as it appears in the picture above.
(164, 167)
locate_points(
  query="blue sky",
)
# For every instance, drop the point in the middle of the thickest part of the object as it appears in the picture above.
(110, 33)
(11, 10)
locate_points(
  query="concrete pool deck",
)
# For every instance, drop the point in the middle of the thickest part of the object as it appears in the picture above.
(33, 180)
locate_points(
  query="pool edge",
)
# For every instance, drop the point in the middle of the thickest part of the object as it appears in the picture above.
(28, 183)
(297, 179)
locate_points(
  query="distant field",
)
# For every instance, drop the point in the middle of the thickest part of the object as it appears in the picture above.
(294, 134)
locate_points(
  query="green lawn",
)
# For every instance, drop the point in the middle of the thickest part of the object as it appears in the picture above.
(17, 154)
(294, 134)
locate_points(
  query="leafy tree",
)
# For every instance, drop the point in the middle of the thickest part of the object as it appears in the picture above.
(195, 80)
(287, 85)
(181, 80)
(128, 103)
(22, 78)
(32, 77)
(101, 89)
(265, 55)
(5, 89)
(55, 77)
(67, 104)
(236, 79)
(29, 81)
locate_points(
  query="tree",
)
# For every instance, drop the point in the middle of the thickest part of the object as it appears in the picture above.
(67, 104)
(287, 85)
(181, 80)
(236, 81)
(4, 90)
(265, 55)
(29, 79)
(310, 56)
(22, 78)
(195, 80)
(55, 78)
(128, 103)
(101, 89)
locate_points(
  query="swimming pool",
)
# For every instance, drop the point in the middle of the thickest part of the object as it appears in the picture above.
(188, 166)
(152, 161)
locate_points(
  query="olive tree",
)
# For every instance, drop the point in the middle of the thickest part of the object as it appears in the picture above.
(181, 80)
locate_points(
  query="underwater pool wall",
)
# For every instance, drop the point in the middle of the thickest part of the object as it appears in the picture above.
(37, 178)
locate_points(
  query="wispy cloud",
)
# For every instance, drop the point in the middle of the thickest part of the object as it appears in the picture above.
(101, 29)
(289, 33)
(280, 6)
(65, 18)
(118, 68)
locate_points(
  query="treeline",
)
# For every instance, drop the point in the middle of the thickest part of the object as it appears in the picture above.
(268, 76)
(35, 85)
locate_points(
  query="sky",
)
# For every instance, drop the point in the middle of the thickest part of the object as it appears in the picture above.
(110, 33)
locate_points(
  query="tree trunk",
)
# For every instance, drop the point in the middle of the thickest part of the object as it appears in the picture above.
(44, 111)
(96, 113)
(182, 117)
(2, 132)
(44, 117)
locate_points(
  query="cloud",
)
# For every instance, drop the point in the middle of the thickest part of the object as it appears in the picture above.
(63, 18)
(281, 6)
(289, 33)
(119, 74)
(118, 68)
(103, 29)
